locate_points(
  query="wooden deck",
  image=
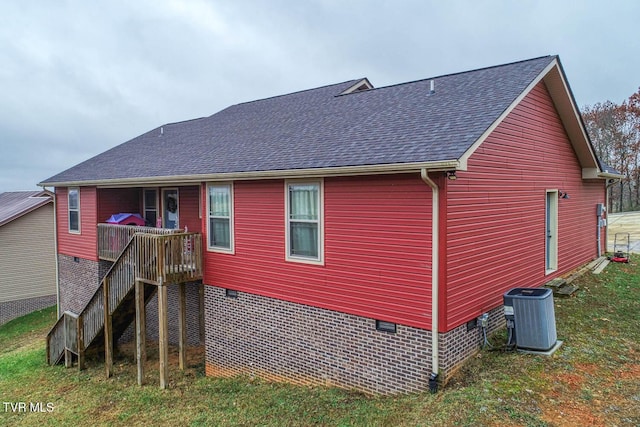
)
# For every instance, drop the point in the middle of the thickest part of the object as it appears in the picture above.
(112, 238)
(146, 263)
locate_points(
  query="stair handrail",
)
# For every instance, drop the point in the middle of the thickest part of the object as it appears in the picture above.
(63, 335)
(93, 318)
(89, 318)
(56, 341)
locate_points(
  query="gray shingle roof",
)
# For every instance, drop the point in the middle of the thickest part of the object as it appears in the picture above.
(319, 128)
(15, 204)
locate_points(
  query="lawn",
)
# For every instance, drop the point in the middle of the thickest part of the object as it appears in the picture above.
(593, 379)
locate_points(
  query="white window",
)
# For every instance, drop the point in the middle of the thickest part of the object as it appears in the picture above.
(73, 198)
(150, 207)
(304, 217)
(220, 215)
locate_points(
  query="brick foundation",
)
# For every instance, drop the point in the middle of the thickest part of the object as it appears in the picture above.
(459, 344)
(282, 341)
(10, 310)
(279, 340)
(78, 280)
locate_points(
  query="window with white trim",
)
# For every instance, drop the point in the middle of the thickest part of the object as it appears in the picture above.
(220, 217)
(150, 207)
(304, 221)
(73, 198)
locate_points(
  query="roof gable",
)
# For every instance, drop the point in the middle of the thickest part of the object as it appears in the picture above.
(554, 79)
(15, 204)
(332, 129)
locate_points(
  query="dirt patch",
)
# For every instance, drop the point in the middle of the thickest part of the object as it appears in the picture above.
(125, 364)
(574, 382)
(558, 408)
(630, 371)
(572, 414)
(195, 354)
(581, 398)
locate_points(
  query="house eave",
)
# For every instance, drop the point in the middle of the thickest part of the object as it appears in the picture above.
(441, 165)
(594, 173)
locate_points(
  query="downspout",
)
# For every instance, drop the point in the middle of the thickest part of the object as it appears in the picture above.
(435, 239)
(55, 248)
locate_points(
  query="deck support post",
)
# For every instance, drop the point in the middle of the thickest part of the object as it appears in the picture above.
(68, 358)
(163, 337)
(141, 331)
(80, 342)
(108, 331)
(182, 329)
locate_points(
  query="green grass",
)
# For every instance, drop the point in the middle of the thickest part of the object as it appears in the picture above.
(593, 379)
(14, 333)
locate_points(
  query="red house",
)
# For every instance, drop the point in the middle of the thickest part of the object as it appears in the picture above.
(350, 235)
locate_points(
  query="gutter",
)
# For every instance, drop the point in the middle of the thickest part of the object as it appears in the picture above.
(442, 165)
(435, 261)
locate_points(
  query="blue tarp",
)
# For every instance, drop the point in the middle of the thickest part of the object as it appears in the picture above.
(126, 219)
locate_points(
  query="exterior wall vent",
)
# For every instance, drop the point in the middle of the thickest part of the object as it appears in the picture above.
(383, 326)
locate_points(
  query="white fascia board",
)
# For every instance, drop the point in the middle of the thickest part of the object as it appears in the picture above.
(353, 88)
(442, 165)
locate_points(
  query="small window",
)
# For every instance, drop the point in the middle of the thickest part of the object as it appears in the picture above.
(383, 326)
(304, 221)
(74, 210)
(150, 207)
(231, 293)
(220, 224)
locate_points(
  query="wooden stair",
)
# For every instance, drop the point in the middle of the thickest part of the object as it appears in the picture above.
(150, 259)
(123, 316)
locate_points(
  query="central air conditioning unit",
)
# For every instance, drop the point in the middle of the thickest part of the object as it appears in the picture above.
(531, 318)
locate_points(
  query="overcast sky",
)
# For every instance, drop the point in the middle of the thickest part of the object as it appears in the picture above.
(79, 77)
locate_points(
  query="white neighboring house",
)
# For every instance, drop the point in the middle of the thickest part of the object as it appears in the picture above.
(27, 253)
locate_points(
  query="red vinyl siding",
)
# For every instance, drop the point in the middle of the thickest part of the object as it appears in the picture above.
(496, 211)
(118, 200)
(188, 198)
(377, 248)
(83, 245)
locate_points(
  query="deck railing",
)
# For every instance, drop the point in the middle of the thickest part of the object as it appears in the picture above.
(112, 238)
(150, 258)
(64, 337)
(181, 255)
(56, 341)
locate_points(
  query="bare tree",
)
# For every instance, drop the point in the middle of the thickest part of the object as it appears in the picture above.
(615, 133)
